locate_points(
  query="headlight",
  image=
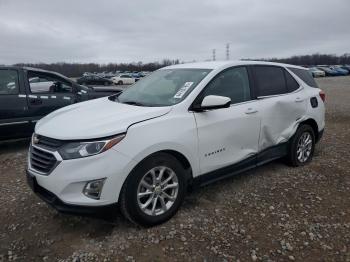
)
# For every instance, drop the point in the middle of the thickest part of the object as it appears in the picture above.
(83, 149)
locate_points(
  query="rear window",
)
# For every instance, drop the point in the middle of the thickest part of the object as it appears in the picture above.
(8, 82)
(270, 80)
(304, 75)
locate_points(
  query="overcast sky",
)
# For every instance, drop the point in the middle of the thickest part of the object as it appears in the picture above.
(138, 30)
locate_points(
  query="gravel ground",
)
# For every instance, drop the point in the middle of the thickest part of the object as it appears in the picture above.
(273, 213)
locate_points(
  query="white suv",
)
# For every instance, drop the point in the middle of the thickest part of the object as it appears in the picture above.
(184, 125)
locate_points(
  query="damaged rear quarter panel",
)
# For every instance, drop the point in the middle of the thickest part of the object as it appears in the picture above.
(281, 116)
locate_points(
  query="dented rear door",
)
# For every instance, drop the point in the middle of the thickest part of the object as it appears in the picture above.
(282, 103)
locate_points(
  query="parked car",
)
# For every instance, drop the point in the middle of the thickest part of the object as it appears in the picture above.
(94, 80)
(123, 79)
(182, 126)
(340, 70)
(315, 72)
(135, 75)
(28, 94)
(346, 67)
(328, 71)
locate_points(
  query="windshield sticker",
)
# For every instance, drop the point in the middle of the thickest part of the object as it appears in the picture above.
(183, 90)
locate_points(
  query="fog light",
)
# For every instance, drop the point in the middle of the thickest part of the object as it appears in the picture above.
(93, 188)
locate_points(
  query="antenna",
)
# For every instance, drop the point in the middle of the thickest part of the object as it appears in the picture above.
(214, 55)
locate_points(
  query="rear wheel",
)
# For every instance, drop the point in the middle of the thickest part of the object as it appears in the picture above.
(154, 190)
(302, 146)
(120, 82)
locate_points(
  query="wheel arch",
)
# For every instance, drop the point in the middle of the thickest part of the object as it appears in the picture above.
(311, 122)
(183, 160)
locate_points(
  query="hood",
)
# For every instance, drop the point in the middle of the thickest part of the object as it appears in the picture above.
(94, 119)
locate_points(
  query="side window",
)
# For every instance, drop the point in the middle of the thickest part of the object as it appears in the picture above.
(232, 83)
(292, 84)
(270, 80)
(47, 83)
(304, 75)
(9, 82)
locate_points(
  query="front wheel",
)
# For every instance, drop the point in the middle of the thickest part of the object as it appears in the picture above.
(302, 146)
(154, 190)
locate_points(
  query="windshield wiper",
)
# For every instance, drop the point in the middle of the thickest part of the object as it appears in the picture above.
(134, 103)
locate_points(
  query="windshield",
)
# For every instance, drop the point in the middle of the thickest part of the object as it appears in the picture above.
(163, 87)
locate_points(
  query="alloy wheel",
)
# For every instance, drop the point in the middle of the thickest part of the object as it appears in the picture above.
(304, 147)
(157, 191)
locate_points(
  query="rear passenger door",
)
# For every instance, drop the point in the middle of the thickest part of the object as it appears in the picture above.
(47, 92)
(282, 104)
(14, 118)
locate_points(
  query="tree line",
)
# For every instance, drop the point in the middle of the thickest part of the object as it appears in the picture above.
(315, 59)
(77, 69)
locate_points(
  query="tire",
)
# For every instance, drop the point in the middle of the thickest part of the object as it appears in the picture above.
(304, 141)
(163, 210)
(120, 82)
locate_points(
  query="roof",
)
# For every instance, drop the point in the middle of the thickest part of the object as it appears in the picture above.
(36, 70)
(224, 64)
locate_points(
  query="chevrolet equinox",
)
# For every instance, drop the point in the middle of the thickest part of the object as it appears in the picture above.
(182, 126)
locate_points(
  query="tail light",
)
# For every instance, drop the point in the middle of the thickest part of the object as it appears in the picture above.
(323, 95)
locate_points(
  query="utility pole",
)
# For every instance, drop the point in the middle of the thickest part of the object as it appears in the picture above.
(214, 55)
(227, 51)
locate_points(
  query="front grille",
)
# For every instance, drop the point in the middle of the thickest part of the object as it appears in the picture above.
(49, 143)
(42, 161)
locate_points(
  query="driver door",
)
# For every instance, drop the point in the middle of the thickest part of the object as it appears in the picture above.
(229, 135)
(47, 92)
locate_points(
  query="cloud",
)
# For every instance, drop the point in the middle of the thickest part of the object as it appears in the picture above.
(124, 31)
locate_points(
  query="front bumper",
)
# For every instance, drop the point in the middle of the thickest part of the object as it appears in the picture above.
(63, 185)
(51, 199)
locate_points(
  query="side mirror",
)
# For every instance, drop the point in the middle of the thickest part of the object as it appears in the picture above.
(213, 102)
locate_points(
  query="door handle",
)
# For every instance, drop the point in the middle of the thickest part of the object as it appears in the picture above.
(298, 99)
(36, 101)
(250, 111)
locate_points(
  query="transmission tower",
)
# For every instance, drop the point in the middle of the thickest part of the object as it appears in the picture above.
(227, 51)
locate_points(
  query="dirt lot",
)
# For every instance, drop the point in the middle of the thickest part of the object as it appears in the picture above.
(273, 213)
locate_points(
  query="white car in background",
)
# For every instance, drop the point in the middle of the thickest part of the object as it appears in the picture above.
(123, 79)
(183, 125)
(317, 72)
(40, 85)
